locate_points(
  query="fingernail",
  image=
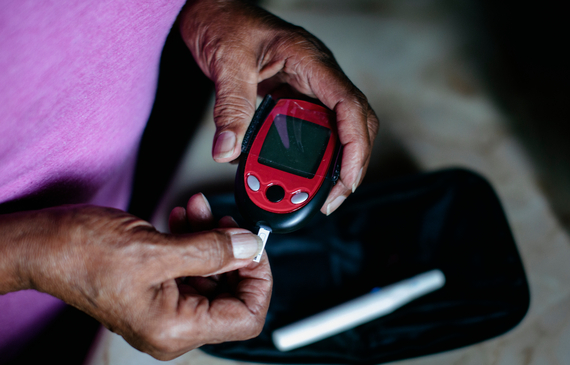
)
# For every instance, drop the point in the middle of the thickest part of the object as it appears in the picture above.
(225, 144)
(357, 181)
(207, 202)
(246, 245)
(335, 204)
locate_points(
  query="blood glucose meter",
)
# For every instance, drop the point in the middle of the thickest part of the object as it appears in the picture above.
(290, 161)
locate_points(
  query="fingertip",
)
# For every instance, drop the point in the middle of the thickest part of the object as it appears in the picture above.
(334, 204)
(246, 245)
(177, 220)
(227, 222)
(224, 148)
(335, 199)
(177, 212)
(205, 202)
(199, 207)
(199, 213)
(354, 161)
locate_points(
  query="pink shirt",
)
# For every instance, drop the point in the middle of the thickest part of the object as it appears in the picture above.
(77, 83)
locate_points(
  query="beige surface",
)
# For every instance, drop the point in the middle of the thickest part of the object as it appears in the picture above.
(408, 60)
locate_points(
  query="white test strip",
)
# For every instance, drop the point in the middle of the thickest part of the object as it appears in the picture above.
(263, 233)
(357, 311)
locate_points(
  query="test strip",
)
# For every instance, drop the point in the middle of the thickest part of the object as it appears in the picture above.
(357, 311)
(263, 233)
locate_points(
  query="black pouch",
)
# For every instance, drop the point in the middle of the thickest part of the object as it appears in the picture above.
(450, 220)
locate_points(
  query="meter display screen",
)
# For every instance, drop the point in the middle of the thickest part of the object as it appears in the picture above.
(294, 145)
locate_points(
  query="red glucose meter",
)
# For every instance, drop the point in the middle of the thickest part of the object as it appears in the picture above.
(290, 161)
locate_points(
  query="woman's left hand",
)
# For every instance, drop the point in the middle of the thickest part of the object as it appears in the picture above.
(247, 52)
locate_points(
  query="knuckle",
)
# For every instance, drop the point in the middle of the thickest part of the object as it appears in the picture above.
(306, 49)
(254, 329)
(359, 101)
(231, 62)
(231, 108)
(373, 123)
(216, 249)
(161, 342)
(309, 42)
(368, 122)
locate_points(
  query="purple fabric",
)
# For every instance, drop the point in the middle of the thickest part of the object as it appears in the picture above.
(23, 315)
(77, 82)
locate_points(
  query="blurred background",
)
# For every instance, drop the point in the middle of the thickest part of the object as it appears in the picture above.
(455, 83)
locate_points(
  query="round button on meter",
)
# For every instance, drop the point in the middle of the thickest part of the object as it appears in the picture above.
(299, 197)
(253, 183)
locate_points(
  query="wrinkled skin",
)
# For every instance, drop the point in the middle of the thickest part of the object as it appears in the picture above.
(169, 293)
(247, 51)
(124, 273)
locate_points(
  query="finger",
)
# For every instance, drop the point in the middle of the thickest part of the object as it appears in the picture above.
(205, 286)
(227, 222)
(239, 315)
(209, 252)
(199, 213)
(351, 108)
(357, 127)
(256, 291)
(236, 91)
(226, 318)
(177, 221)
(253, 289)
(342, 189)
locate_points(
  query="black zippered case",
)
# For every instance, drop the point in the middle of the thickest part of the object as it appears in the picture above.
(450, 220)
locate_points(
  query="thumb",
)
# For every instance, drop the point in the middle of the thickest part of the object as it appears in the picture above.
(212, 252)
(236, 92)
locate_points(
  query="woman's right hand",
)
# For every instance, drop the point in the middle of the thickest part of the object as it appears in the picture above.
(124, 273)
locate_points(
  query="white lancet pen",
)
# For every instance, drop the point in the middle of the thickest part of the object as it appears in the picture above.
(357, 311)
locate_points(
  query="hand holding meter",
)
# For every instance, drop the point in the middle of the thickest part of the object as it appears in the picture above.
(290, 161)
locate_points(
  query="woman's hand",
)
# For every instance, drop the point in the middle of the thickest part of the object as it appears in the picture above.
(247, 51)
(198, 217)
(124, 273)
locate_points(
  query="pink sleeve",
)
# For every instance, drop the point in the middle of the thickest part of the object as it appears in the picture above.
(77, 83)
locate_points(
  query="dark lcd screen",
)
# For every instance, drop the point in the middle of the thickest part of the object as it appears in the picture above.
(294, 145)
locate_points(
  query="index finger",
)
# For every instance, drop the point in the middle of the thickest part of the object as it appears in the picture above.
(357, 126)
(313, 71)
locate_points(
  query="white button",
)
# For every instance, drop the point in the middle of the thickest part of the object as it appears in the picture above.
(253, 183)
(299, 198)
